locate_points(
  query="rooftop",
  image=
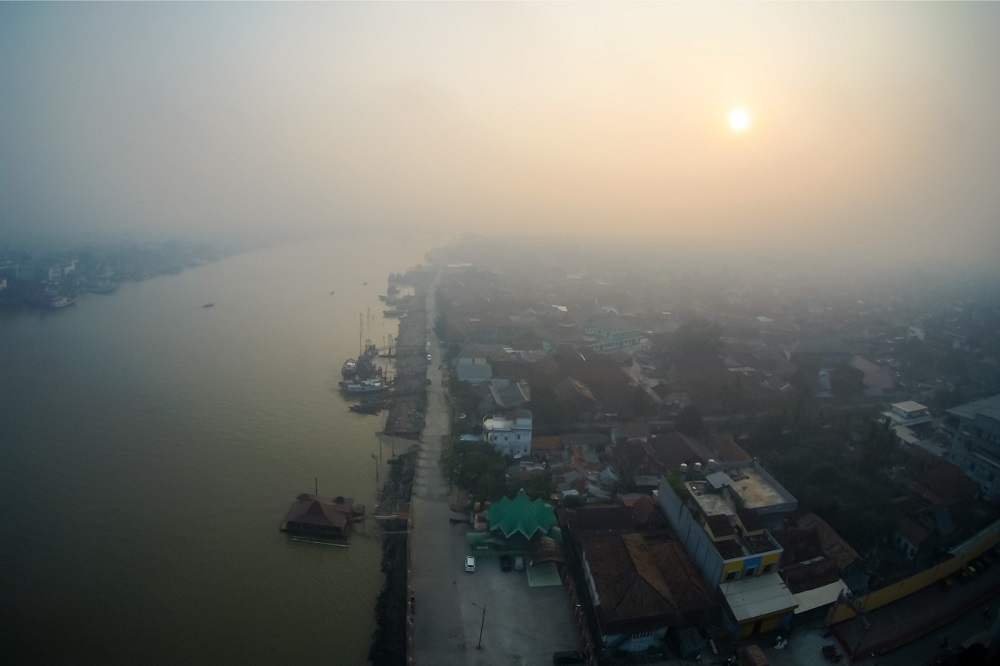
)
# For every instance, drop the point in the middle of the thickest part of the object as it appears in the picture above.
(756, 491)
(908, 406)
(989, 406)
(757, 597)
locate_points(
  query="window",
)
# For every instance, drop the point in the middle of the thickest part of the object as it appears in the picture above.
(731, 575)
(769, 568)
(748, 573)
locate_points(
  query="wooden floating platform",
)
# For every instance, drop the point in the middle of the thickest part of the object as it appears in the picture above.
(321, 519)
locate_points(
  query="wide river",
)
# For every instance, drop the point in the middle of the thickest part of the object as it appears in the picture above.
(149, 448)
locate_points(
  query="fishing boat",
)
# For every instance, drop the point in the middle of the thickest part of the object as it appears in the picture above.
(350, 369)
(362, 386)
(61, 301)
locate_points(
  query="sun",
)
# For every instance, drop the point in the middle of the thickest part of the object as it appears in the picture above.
(739, 119)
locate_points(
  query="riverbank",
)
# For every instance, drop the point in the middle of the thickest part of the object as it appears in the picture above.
(405, 420)
(409, 403)
(389, 639)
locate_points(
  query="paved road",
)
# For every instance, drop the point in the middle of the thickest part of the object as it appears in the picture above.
(438, 634)
(486, 617)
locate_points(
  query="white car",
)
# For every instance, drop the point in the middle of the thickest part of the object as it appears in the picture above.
(470, 564)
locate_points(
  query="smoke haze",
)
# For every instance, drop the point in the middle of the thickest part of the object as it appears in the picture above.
(874, 136)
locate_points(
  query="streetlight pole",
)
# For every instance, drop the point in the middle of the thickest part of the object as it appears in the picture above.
(479, 646)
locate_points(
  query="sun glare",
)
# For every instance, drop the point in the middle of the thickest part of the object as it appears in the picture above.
(739, 119)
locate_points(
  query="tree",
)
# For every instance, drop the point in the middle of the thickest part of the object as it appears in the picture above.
(876, 449)
(477, 467)
(699, 338)
(464, 397)
(690, 423)
(953, 362)
(846, 382)
(551, 415)
(641, 403)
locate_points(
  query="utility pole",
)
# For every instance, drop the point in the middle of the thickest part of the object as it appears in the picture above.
(479, 646)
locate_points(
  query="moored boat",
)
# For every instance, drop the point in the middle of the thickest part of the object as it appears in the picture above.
(364, 386)
(61, 301)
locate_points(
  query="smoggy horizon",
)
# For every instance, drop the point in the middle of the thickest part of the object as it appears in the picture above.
(867, 132)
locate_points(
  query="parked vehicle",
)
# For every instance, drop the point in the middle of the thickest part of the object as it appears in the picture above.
(505, 563)
(830, 653)
(518, 563)
(470, 564)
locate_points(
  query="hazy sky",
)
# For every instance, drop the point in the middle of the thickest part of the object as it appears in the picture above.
(874, 127)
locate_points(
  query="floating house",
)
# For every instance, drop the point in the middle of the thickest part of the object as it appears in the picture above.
(321, 517)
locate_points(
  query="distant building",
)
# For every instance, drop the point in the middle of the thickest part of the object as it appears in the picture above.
(509, 434)
(908, 413)
(474, 373)
(975, 442)
(826, 353)
(877, 380)
(472, 364)
(608, 332)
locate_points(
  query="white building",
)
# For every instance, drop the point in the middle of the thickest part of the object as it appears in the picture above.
(511, 434)
(610, 332)
(975, 443)
(908, 413)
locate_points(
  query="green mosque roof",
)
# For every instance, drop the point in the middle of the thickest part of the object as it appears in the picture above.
(521, 514)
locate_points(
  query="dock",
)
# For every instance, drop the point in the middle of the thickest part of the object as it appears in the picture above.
(409, 405)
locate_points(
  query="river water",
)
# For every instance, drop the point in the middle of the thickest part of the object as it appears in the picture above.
(149, 448)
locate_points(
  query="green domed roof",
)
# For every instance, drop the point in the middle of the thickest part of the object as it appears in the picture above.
(521, 515)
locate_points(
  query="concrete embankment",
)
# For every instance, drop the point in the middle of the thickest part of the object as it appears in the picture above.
(409, 394)
(389, 640)
(405, 420)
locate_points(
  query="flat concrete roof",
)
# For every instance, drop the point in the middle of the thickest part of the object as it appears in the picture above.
(909, 406)
(711, 503)
(755, 491)
(820, 596)
(749, 598)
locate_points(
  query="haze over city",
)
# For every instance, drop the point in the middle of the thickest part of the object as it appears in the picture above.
(862, 130)
(666, 331)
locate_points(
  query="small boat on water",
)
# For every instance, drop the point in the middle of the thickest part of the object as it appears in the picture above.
(103, 287)
(208, 305)
(370, 405)
(362, 386)
(61, 301)
(349, 369)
